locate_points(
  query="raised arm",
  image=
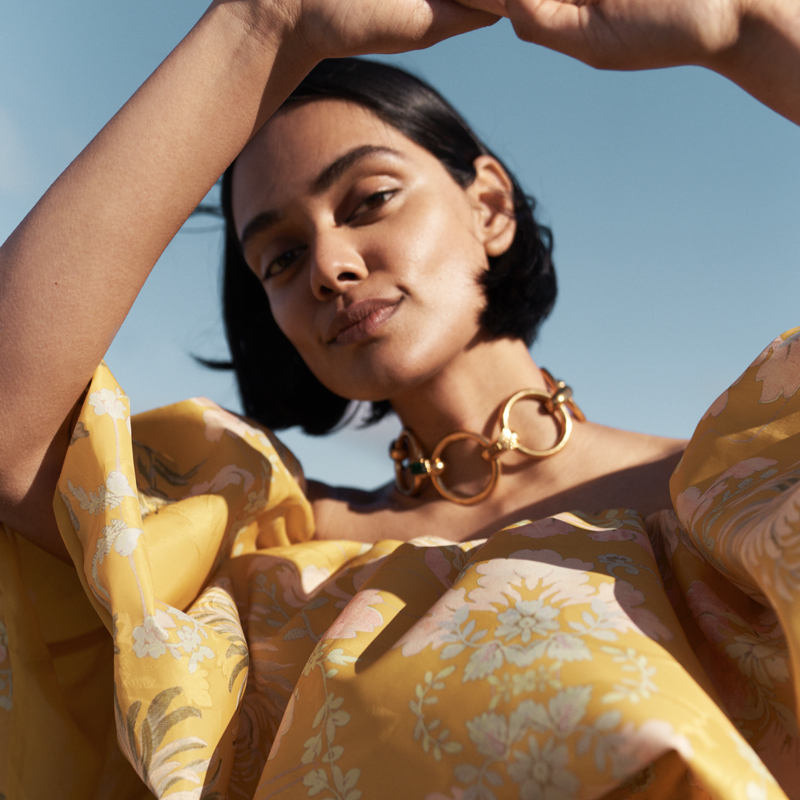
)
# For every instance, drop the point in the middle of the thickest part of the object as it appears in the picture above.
(72, 269)
(755, 43)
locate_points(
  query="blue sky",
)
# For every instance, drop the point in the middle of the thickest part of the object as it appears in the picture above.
(674, 199)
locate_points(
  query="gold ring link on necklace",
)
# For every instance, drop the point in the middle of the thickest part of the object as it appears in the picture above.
(409, 457)
(554, 408)
(436, 475)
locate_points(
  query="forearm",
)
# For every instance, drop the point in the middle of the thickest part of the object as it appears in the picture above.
(765, 60)
(72, 269)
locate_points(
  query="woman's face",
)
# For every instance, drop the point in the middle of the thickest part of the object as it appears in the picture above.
(368, 250)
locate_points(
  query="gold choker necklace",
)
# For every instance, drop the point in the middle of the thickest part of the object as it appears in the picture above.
(412, 468)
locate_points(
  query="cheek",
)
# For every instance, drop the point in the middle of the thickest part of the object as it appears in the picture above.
(440, 248)
(281, 312)
(292, 317)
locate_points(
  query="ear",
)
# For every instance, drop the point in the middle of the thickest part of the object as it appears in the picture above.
(492, 197)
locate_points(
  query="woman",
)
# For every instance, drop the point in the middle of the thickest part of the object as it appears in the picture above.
(354, 228)
(483, 320)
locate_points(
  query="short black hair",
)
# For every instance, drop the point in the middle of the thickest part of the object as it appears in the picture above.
(277, 388)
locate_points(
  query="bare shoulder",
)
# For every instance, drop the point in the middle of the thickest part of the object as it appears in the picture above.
(603, 468)
(628, 448)
(344, 512)
(625, 469)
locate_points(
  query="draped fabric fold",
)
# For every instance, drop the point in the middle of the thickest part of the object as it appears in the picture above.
(581, 656)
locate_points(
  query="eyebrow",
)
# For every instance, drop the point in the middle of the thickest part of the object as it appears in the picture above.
(260, 222)
(334, 171)
(323, 181)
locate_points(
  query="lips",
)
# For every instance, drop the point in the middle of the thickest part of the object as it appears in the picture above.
(361, 320)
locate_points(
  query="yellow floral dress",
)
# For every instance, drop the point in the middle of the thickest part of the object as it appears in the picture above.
(209, 642)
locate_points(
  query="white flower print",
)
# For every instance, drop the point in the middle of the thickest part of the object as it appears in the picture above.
(562, 579)
(107, 402)
(149, 638)
(191, 642)
(541, 772)
(491, 735)
(119, 535)
(359, 616)
(109, 496)
(564, 646)
(780, 373)
(312, 577)
(536, 680)
(487, 658)
(190, 638)
(436, 628)
(609, 619)
(568, 708)
(125, 539)
(526, 618)
(634, 689)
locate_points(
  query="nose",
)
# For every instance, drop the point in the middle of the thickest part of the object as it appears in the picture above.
(335, 264)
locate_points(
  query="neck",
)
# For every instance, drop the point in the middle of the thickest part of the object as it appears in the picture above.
(468, 394)
(444, 413)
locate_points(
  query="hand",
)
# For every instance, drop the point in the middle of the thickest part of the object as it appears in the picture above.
(337, 28)
(755, 43)
(625, 34)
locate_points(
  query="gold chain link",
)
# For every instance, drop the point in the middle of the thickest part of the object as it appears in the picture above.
(412, 468)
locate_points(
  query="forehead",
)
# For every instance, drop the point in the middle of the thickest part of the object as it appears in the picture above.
(282, 160)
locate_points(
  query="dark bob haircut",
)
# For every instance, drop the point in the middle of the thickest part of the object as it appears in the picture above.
(277, 388)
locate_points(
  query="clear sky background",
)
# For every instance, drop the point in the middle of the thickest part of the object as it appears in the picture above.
(674, 199)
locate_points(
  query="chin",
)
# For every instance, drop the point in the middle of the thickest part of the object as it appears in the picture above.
(372, 385)
(386, 387)
(386, 369)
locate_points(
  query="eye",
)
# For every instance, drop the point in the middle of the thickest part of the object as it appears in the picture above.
(372, 202)
(282, 262)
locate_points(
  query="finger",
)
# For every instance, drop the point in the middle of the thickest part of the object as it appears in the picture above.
(451, 18)
(496, 7)
(557, 24)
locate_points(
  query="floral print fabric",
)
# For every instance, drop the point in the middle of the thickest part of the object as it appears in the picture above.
(572, 657)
